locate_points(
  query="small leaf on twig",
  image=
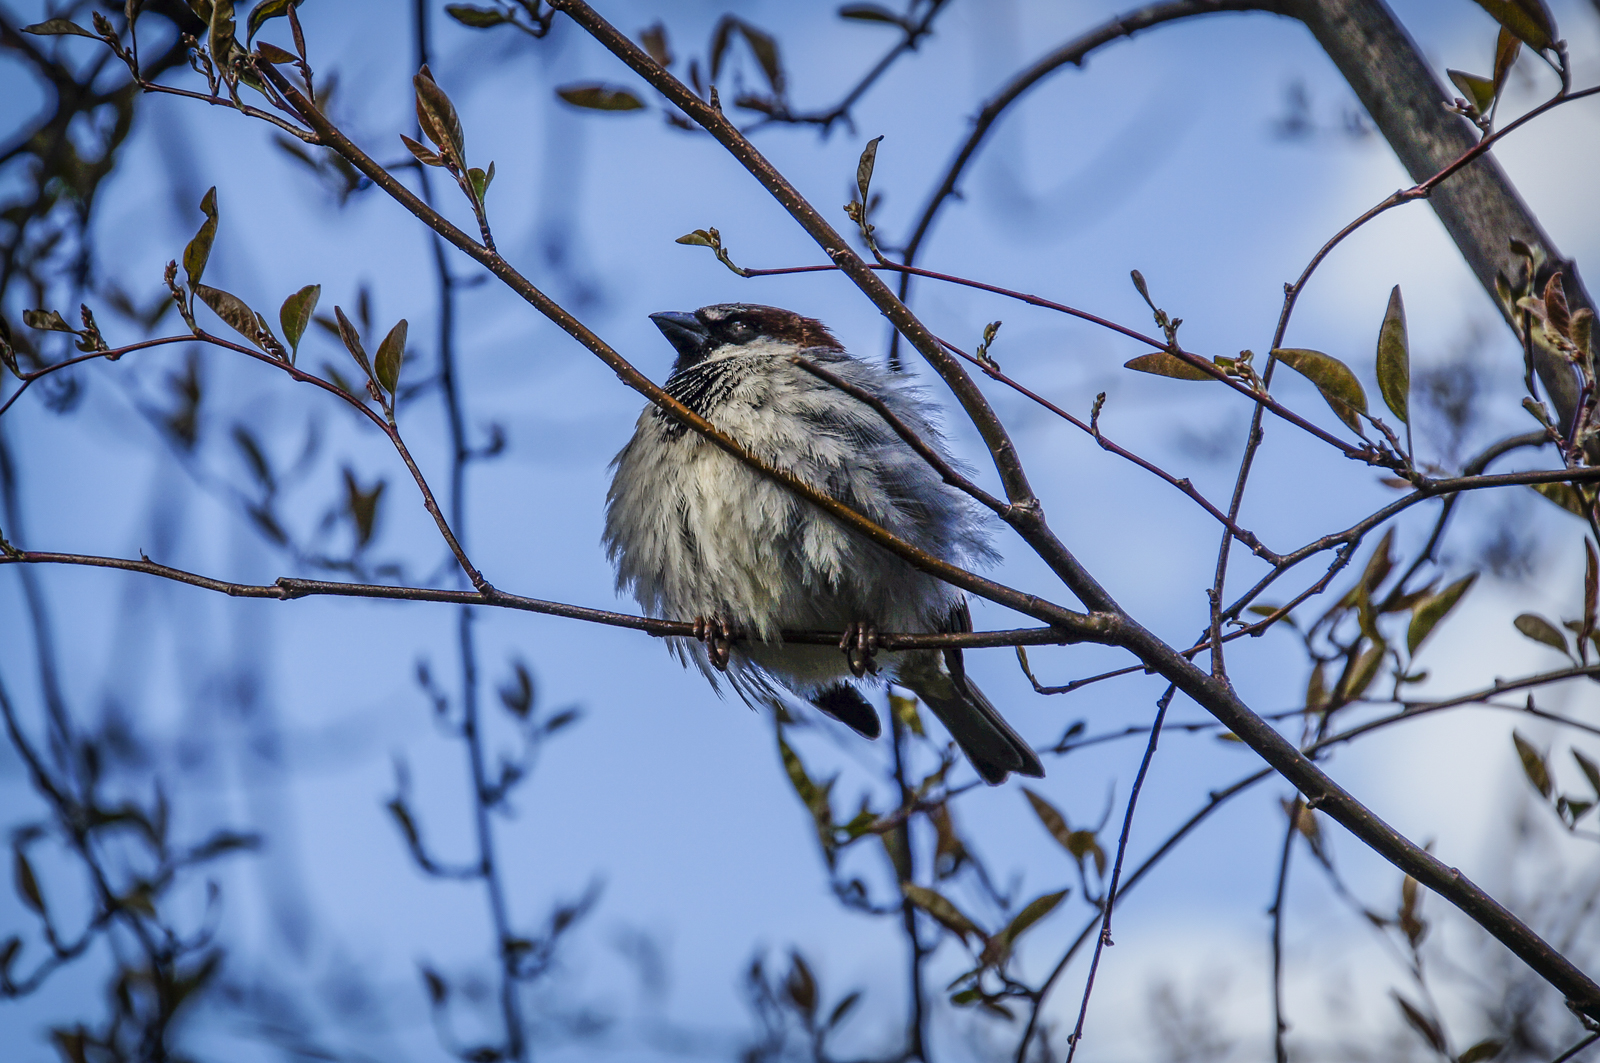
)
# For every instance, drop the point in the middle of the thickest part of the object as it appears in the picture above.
(1539, 629)
(386, 364)
(352, 340)
(597, 97)
(263, 11)
(230, 308)
(1591, 771)
(477, 17)
(1479, 91)
(296, 312)
(1564, 495)
(46, 321)
(437, 117)
(1050, 816)
(948, 915)
(1394, 359)
(1481, 1052)
(865, 165)
(1425, 616)
(1170, 365)
(654, 39)
(58, 26)
(1031, 913)
(1506, 50)
(1425, 1026)
(424, 156)
(198, 252)
(1534, 764)
(1528, 19)
(1338, 385)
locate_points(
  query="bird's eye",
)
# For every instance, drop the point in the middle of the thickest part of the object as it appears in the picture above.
(738, 331)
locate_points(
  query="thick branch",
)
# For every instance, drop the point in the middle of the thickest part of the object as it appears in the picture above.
(1479, 207)
(289, 588)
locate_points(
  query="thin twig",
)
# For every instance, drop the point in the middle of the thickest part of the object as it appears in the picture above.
(1116, 867)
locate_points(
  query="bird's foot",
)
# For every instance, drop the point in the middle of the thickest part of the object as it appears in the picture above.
(718, 638)
(860, 645)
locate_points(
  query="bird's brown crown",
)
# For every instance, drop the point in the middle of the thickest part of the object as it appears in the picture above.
(741, 323)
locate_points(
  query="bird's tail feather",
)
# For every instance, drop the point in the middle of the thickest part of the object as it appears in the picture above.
(994, 749)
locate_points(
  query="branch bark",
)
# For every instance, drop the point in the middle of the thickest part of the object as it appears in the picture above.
(1480, 209)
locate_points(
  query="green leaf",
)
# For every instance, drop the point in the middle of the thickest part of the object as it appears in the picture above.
(437, 117)
(1533, 764)
(230, 308)
(1528, 19)
(1163, 364)
(1482, 1051)
(386, 365)
(46, 321)
(1506, 50)
(870, 13)
(198, 252)
(296, 313)
(56, 27)
(1338, 385)
(1034, 911)
(698, 238)
(1434, 608)
(479, 180)
(1394, 359)
(352, 341)
(1564, 495)
(597, 97)
(1479, 91)
(222, 29)
(1051, 817)
(1590, 769)
(948, 915)
(905, 710)
(26, 882)
(1539, 629)
(266, 9)
(477, 17)
(1317, 687)
(864, 166)
(1364, 671)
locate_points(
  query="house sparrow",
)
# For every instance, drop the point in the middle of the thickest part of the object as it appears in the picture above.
(695, 533)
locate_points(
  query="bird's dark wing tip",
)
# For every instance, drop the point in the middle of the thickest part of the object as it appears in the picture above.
(844, 703)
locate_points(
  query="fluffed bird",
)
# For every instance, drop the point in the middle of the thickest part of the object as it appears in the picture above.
(696, 533)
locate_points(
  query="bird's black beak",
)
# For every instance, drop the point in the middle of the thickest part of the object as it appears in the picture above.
(687, 334)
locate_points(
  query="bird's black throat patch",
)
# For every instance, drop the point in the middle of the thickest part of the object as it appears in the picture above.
(702, 387)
